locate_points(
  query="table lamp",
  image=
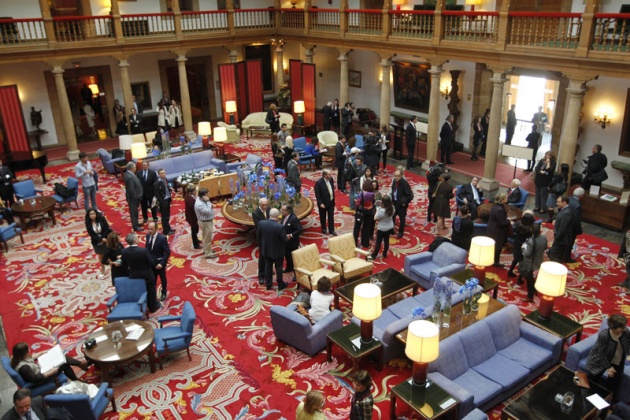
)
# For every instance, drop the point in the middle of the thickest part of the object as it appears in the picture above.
(481, 255)
(204, 129)
(423, 346)
(298, 108)
(472, 4)
(139, 152)
(230, 108)
(398, 3)
(483, 302)
(124, 143)
(551, 280)
(367, 306)
(220, 136)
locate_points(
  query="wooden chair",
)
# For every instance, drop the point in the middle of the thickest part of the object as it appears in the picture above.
(343, 251)
(310, 267)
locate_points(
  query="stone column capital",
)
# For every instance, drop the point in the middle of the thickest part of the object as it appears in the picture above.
(57, 68)
(385, 62)
(121, 58)
(123, 64)
(343, 54)
(181, 54)
(308, 47)
(386, 56)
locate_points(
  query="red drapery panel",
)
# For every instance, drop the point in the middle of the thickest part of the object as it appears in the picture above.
(11, 110)
(241, 92)
(227, 79)
(308, 92)
(254, 86)
(295, 83)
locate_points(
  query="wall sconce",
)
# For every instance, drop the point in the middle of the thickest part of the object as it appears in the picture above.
(472, 4)
(481, 255)
(94, 88)
(550, 283)
(293, 3)
(277, 42)
(602, 117)
(230, 108)
(445, 90)
(423, 347)
(367, 307)
(204, 129)
(220, 137)
(298, 108)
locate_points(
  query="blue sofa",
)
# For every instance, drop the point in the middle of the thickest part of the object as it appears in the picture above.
(493, 358)
(578, 353)
(185, 164)
(251, 160)
(397, 317)
(107, 160)
(446, 260)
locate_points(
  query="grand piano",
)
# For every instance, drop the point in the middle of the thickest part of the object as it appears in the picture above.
(23, 161)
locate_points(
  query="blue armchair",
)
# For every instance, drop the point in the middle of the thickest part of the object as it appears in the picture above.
(291, 327)
(43, 389)
(72, 185)
(9, 232)
(130, 299)
(81, 406)
(176, 338)
(360, 143)
(25, 189)
(107, 160)
(521, 203)
(249, 160)
(446, 260)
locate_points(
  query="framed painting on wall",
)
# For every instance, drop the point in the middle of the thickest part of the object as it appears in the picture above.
(143, 95)
(354, 78)
(412, 86)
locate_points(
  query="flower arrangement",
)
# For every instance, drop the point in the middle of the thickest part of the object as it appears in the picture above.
(468, 290)
(261, 181)
(442, 294)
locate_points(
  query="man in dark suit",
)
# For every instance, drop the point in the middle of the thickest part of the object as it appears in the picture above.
(401, 197)
(24, 406)
(510, 126)
(147, 177)
(325, 195)
(514, 192)
(346, 118)
(140, 263)
(563, 229)
(471, 195)
(293, 173)
(327, 111)
(446, 140)
(133, 193)
(271, 238)
(6, 184)
(575, 204)
(335, 113)
(410, 140)
(191, 215)
(134, 122)
(293, 229)
(261, 213)
(340, 163)
(163, 195)
(157, 244)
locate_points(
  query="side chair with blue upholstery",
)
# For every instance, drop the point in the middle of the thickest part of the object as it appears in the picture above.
(73, 186)
(81, 406)
(36, 390)
(25, 189)
(175, 338)
(9, 232)
(130, 300)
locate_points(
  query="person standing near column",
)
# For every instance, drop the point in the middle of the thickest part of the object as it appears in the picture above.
(157, 244)
(85, 172)
(477, 136)
(6, 184)
(485, 123)
(191, 216)
(384, 143)
(272, 238)
(401, 197)
(540, 119)
(340, 163)
(327, 111)
(147, 177)
(410, 140)
(325, 195)
(510, 126)
(346, 118)
(533, 140)
(135, 122)
(447, 136)
(261, 213)
(293, 229)
(163, 195)
(140, 263)
(133, 194)
(335, 113)
(205, 217)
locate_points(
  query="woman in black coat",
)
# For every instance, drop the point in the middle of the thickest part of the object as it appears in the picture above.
(544, 172)
(98, 229)
(463, 229)
(443, 194)
(273, 118)
(498, 226)
(522, 232)
(112, 257)
(478, 136)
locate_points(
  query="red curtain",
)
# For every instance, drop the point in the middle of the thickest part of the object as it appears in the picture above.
(11, 110)
(295, 83)
(241, 88)
(227, 79)
(254, 86)
(309, 92)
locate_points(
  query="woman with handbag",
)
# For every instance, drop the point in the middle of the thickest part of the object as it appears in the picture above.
(364, 215)
(557, 187)
(442, 195)
(273, 118)
(98, 229)
(543, 172)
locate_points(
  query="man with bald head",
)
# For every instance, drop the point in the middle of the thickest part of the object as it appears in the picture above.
(261, 213)
(271, 237)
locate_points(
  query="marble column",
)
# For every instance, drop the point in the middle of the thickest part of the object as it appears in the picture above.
(386, 87)
(434, 115)
(488, 182)
(123, 64)
(343, 77)
(571, 125)
(279, 65)
(66, 113)
(185, 95)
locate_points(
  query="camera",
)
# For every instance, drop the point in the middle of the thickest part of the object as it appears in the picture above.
(90, 343)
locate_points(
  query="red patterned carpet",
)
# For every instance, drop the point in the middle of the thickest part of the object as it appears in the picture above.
(52, 293)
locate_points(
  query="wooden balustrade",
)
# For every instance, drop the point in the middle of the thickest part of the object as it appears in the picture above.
(255, 18)
(142, 25)
(22, 31)
(293, 18)
(551, 30)
(326, 20)
(414, 24)
(75, 29)
(365, 21)
(611, 32)
(207, 21)
(471, 26)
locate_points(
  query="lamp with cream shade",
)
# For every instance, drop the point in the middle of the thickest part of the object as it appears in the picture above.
(367, 306)
(220, 137)
(139, 152)
(472, 4)
(550, 282)
(124, 143)
(299, 109)
(423, 346)
(481, 255)
(230, 108)
(204, 129)
(398, 3)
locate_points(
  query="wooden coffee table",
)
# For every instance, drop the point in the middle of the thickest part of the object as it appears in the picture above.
(35, 209)
(105, 356)
(513, 213)
(244, 218)
(255, 128)
(393, 281)
(229, 158)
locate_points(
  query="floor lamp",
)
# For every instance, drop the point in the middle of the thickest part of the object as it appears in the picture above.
(550, 282)
(481, 255)
(220, 137)
(124, 143)
(367, 307)
(230, 108)
(423, 346)
(204, 130)
(299, 109)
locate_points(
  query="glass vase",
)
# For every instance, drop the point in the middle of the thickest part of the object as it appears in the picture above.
(446, 316)
(467, 302)
(475, 301)
(436, 316)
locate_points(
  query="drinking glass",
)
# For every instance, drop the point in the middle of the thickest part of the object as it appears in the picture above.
(567, 402)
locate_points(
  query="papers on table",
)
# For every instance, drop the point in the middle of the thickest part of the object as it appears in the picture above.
(135, 333)
(51, 359)
(598, 401)
(608, 197)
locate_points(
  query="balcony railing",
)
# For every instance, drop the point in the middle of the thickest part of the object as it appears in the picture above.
(471, 26)
(255, 18)
(207, 21)
(75, 29)
(366, 22)
(611, 32)
(413, 24)
(147, 24)
(22, 31)
(292, 19)
(325, 20)
(554, 30)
